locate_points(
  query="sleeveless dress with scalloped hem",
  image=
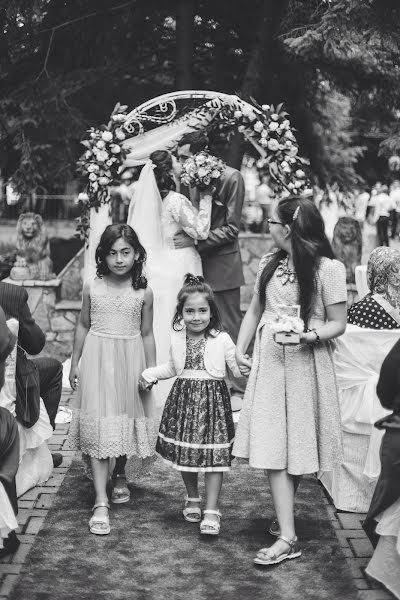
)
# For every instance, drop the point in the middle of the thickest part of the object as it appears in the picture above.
(290, 417)
(111, 417)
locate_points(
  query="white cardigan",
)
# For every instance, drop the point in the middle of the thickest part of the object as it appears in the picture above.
(219, 351)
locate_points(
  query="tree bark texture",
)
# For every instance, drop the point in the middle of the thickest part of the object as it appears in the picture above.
(184, 44)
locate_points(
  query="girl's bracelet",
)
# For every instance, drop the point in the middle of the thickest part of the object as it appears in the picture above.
(317, 338)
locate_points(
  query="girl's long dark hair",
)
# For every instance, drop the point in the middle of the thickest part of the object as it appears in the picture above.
(195, 284)
(309, 244)
(110, 235)
(163, 171)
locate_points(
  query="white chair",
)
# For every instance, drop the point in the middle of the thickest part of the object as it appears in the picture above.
(358, 358)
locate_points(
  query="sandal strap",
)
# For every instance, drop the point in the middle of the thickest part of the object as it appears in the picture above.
(287, 541)
(99, 504)
(187, 499)
(209, 511)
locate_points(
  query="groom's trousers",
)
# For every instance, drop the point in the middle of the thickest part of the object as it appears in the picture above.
(228, 302)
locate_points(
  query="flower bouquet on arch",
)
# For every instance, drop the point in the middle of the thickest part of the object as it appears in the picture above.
(288, 325)
(202, 170)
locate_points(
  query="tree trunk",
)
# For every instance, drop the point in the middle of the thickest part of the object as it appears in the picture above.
(261, 63)
(184, 44)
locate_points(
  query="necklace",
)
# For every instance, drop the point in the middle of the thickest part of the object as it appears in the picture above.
(284, 272)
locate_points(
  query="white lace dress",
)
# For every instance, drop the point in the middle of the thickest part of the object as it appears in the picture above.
(166, 270)
(111, 418)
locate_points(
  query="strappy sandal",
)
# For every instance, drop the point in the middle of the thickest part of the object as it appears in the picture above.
(120, 494)
(192, 514)
(100, 525)
(266, 556)
(209, 527)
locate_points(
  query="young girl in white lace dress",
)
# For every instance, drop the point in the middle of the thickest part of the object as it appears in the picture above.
(112, 418)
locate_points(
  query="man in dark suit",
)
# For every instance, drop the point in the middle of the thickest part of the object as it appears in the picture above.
(220, 252)
(14, 301)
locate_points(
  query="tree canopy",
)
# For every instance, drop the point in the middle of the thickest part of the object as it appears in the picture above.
(64, 65)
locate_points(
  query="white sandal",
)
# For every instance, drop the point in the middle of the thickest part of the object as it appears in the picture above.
(100, 525)
(209, 527)
(266, 556)
(195, 511)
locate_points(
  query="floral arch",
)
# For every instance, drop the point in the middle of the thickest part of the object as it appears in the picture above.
(130, 137)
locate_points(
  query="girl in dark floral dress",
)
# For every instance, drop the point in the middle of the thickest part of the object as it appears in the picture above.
(197, 430)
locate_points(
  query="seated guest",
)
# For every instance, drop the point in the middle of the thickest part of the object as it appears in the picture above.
(31, 339)
(380, 308)
(9, 455)
(35, 462)
(373, 328)
(385, 506)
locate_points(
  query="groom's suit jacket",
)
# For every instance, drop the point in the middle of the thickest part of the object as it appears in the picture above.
(220, 252)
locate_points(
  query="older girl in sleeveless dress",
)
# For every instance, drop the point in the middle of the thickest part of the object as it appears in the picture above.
(112, 419)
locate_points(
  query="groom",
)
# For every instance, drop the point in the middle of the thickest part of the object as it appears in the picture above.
(220, 252)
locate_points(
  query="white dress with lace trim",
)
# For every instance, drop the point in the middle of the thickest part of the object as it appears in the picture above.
(111, 417)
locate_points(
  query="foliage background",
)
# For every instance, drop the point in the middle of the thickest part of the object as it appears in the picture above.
(64, 65)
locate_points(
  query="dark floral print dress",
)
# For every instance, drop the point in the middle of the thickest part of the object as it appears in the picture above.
(197, 430)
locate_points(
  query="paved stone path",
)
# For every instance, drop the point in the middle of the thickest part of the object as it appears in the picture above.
(34, 505)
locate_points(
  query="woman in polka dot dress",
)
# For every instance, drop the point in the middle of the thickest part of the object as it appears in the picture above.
(380, 309)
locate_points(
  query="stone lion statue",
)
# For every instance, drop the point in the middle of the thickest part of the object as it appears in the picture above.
(33, 252)
(347, 245)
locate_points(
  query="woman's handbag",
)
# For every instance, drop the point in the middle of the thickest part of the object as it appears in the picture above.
(27, 404)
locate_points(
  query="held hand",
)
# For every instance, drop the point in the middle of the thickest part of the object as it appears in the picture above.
(145, 386)
(73, 377)
(244, 363)
(182, 240)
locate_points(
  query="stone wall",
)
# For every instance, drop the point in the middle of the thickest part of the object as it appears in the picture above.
(252, 247)
(56, 317)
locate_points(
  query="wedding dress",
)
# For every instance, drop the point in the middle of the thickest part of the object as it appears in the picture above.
(156, 222)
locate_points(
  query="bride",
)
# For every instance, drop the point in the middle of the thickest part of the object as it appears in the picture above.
(157, 213)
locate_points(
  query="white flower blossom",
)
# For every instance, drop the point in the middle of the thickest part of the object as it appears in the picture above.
(115, 149)
(273, 126)
(93, 177)
(202, 172)
(100, 144)
(263, 141)
(273, 145)
(83, 197)
(104, 181)
(238, 114)
(274, 117)
(266, 107)
(102, 156)
(258, 126)
(120, 135)
(107, 136)
(300, 173)
(241, 128)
